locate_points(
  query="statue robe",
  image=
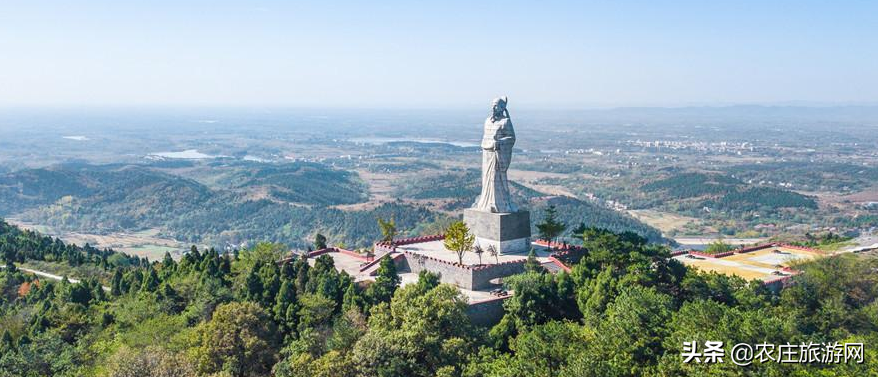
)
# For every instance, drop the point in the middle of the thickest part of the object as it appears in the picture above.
(497, 145)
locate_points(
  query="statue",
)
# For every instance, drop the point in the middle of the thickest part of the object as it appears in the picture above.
(497, 145)
(495, 221)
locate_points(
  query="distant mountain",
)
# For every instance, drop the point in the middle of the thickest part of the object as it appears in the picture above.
(249, 202)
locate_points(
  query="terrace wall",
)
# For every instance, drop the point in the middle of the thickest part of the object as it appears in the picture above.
(463, 276)
(486, 313)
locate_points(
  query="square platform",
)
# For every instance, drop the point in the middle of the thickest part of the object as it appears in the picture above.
(509, 233)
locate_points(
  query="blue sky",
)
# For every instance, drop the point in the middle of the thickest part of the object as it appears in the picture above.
(438, 54)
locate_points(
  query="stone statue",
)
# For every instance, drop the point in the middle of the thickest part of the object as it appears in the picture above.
(496, 154)
(495, 221)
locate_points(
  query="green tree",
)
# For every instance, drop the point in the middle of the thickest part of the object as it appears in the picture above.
(386, 282)
(459, 239)
(116, 283)
(150, 362)
(315, 311)
(388, 229)
(418, 334)
(253, 289)
(151, 281)
(532, 264)
(319, 241)
(285, 306)
(718, 246)
(239, 340)
(551, 227)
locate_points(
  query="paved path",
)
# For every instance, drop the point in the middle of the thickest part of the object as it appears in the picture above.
(50, 276)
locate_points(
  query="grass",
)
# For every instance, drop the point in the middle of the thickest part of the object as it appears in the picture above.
(835, 246)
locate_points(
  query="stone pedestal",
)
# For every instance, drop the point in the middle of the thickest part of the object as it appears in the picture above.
(509, 233)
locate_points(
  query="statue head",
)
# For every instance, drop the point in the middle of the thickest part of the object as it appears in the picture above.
(498, 106)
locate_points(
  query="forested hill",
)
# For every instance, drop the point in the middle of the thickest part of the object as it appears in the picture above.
(726, 193)
(624, 310)
(223, 204)
(234, 203)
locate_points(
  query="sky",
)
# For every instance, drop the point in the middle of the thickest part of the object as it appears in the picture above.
(442, 54)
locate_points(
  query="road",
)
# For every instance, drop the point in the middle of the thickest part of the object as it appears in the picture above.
(50, 276)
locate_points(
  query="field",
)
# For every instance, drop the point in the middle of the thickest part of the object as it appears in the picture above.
(764, 264)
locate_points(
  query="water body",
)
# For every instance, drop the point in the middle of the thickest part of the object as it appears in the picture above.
(189, 154)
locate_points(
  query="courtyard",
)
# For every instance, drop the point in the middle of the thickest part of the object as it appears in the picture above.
(764, 264)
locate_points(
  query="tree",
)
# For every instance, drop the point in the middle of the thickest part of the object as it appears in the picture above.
(388, 229)
(240, 340)
(718, 246)
(419, 333)
(253, 289)
(551, 227)
(579, 230)
(459, 239)
(285, 305)
(492, 251)
(386, 282)
(116, 285)
(319, 241)
(532, 264)
(316, 310)
(150, 281)
(352, 299)
(478, 251)
(149, 362)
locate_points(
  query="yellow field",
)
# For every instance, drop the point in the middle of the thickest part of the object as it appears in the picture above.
(760, 264)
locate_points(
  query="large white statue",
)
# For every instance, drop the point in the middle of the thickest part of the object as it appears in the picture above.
(496, 154)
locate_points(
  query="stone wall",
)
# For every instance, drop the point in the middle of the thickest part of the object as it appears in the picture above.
(482, 275)
(466, 277)
(450, 273)
(486, 313)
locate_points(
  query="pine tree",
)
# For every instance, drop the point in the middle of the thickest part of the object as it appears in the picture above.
(168, 262)
(319, 241)
(151, 281)
(386, 282)
(253, 287)
(196, 256)
(270, 276)
(285, 304)
(116, 284)
(352, 299)
(550, 228)
(532, 264)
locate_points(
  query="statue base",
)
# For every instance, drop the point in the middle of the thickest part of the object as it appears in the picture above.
(509, 233)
